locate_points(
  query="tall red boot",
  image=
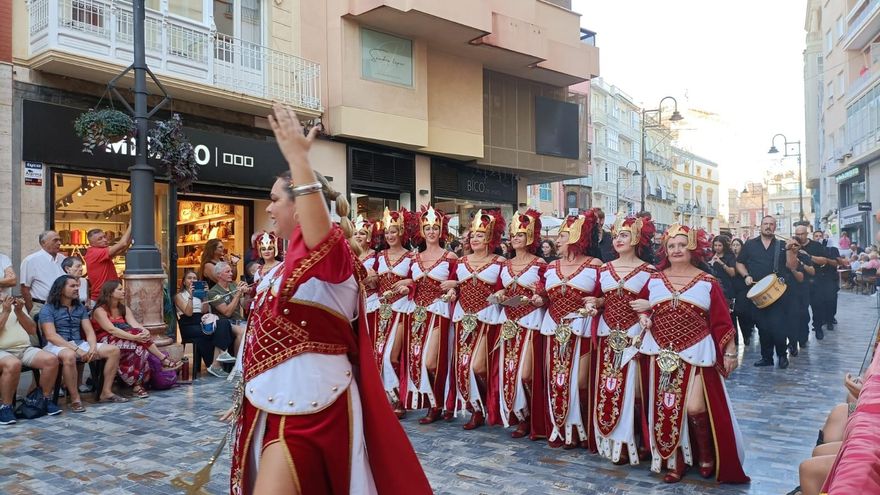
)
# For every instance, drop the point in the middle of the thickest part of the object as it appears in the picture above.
(699, 423)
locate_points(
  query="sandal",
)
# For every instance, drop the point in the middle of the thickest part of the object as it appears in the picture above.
(140, 392)
(114, 398)
(77, 407)
(169, 364)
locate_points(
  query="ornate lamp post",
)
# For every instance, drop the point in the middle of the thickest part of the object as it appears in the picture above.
(675, 117)
(786, 154)
(634, 174)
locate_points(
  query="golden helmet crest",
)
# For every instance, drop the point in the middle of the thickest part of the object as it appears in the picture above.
(676, 229)
(527, 223)
(430, 218)
(393, 219)
(633, 225)
(267, 240)
(574, 226)
(483, 222)
(361, 223)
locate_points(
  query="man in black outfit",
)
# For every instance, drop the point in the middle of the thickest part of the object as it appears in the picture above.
(606, 247)
(760, 257)
(824, 287)
(801, 291)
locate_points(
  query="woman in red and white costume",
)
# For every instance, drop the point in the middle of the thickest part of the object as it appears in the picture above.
(266, 245)
(690, 352)
(620, 407)
(568, 324)
(305, 422)
(475, 320)
(522, 312)
(427, 340)
(363, 241)
(394, 278)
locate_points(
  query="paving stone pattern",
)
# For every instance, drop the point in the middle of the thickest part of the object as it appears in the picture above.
(136, 448)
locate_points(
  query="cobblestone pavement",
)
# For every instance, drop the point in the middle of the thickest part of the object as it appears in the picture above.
(139, 446)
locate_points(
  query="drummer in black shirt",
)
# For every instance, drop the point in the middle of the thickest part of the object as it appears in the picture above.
(825, 284)
(762, 256)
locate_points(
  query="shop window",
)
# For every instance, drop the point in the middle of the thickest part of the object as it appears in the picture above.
(372, 206)
(201, 220)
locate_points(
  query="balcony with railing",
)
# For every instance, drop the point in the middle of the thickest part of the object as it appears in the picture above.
(79, 37)
(864, 22)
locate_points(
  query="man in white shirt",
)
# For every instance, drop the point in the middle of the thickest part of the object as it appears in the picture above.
(7, 276)
(39, 271)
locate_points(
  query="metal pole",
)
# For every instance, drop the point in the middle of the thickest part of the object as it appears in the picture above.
(800, 185)
(143, 257)
(642, 180)
(617, 197)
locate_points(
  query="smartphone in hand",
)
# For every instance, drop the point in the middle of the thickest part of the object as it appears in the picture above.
(200, 289)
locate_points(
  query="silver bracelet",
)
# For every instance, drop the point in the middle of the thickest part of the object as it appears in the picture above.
(727, 354)
(306, 189)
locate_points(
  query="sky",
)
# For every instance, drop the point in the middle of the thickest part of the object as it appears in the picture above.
(741, 60)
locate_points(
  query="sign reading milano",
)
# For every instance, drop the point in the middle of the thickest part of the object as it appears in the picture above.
(224, 158)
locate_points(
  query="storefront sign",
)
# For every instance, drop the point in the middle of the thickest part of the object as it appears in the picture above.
(486, 185)
(33, 173)
(225, 158)
(848, 220)
(849, 174)
(865, 206)
(386, 58)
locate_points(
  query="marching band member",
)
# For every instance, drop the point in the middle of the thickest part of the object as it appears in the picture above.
(568, 281)
(305, 423)
(619, 402)
(475, 319)
(427, 343)
(363, 242)
(521, 315)
(393, 270)
(690, 351)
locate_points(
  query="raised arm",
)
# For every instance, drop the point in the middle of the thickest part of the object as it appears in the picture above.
(122, 244)
(314, 218)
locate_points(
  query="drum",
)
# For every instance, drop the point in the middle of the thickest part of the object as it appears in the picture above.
(767, 291)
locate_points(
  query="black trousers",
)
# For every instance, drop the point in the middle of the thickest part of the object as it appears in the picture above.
(222, 338)
(800, 316)
(821, 295)
(772, 328)
(833, 309)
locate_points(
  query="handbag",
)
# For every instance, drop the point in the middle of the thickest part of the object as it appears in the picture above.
(209, 323)
(33, 406)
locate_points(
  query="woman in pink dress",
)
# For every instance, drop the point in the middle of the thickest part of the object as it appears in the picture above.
(568, 326)
(521, 401)
(475, 320)
(620, 407)
(689, 352)
(427, 342)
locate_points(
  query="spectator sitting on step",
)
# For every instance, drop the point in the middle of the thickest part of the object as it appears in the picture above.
(814, 470)
(65, 321)
(73, 266)
(873, 262)
(115, 324)
(39, 270)
(16, 328)
(213, 348)
(228, 302)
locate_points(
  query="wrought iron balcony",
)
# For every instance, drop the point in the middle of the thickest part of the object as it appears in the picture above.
(175, 47)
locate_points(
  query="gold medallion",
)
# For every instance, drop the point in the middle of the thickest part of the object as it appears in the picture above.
(385, 311)
(563, 333)
(469, 323)
(420, 314)
(618, 340)
(509, 329)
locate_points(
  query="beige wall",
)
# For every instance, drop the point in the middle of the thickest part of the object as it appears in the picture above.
(6, 159)
(455, 103)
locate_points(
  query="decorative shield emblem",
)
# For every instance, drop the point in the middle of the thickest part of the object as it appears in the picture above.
(560, 379)
(508, 330)
(563, 333)
(611, 383)
(668, 400)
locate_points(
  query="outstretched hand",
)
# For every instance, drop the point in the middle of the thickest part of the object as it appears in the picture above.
(292, 141)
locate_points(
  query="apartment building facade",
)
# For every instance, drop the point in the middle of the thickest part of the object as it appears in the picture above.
(696, 187)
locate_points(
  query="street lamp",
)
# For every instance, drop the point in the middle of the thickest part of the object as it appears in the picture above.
(675, 117)
(800, 174)
(634, 174)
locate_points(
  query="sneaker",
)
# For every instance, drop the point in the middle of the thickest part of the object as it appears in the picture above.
(7, 416)
(218, 372)
(225, 357)
(51, 408)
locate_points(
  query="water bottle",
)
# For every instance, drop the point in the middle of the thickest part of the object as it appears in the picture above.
(184, 370)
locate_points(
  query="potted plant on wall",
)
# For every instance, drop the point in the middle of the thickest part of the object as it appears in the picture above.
(102, 127)
(170, 146)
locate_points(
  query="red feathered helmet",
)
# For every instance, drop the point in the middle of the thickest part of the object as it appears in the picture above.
(429, 217)
(528, 223)
(697, 243)
(266, 240)
(580, 230)
(491, 223)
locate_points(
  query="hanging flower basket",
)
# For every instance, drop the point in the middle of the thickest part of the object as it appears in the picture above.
(172, 148)
(102, 127)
